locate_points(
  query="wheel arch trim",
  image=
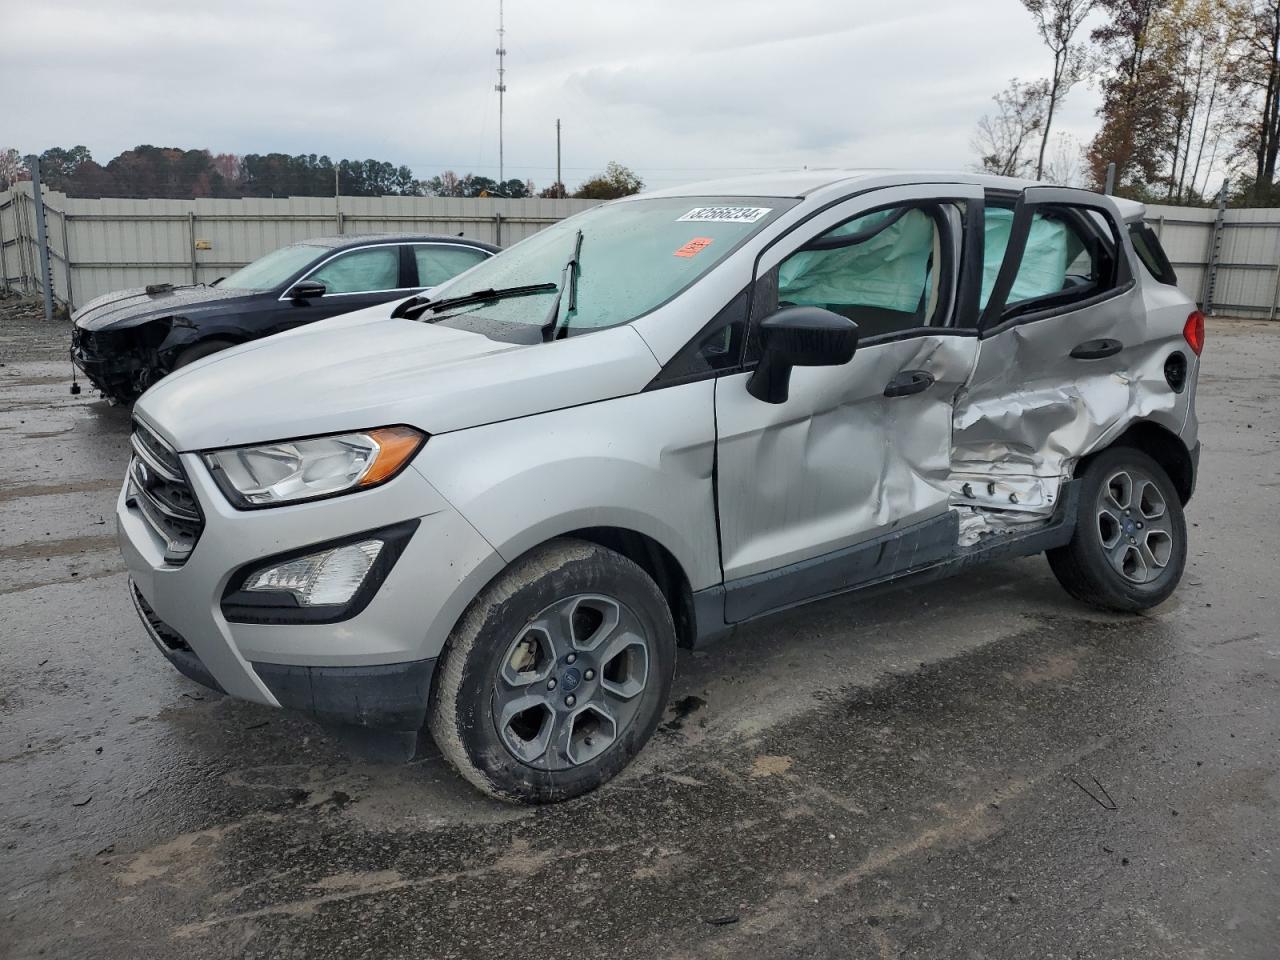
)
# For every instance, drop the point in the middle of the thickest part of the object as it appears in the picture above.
(1163, 445)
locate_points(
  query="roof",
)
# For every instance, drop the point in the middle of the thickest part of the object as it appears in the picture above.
(359, 239)
(800, 183)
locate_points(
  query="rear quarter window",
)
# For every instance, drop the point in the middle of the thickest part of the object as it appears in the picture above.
(1147, 246)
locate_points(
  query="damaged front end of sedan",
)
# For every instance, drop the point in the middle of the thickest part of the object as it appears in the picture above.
(126, 341)
(122, 361)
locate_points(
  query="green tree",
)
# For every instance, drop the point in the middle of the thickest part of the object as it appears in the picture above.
(616, 181)
(58, 166)
(12, 167)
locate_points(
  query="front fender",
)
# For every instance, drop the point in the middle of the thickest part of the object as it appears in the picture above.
(641, 463)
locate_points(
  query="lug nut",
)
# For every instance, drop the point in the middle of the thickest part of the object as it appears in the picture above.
(551, 684)
(590, 675)
(571, 658)
(1139, 526)
(570, 700)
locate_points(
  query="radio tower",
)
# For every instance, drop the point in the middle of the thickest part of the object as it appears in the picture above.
(502, 89)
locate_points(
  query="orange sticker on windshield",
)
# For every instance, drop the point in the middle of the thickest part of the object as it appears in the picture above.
(693, 246)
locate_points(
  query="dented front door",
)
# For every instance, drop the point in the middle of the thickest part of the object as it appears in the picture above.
(858, 450)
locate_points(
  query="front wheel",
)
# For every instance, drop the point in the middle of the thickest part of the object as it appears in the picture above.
(1130, 544)
(199, 351)
(556, 675)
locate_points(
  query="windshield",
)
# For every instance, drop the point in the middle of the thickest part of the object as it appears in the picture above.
(271, 271)
(635, 256)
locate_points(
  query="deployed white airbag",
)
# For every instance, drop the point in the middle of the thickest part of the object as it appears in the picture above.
(887, 270)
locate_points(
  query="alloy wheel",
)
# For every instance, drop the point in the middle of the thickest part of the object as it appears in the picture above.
(570, 682)
(1134, 525)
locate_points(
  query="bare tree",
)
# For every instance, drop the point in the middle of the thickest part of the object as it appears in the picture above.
(1064, 164)
(1003, 137)
(1057, 22)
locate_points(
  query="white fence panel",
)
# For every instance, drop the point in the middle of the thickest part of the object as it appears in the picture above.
(98, 246)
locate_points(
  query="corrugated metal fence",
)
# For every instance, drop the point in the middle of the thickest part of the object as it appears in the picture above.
(97, 246)
(1229, 259)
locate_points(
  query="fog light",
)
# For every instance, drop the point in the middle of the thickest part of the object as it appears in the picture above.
(328, 578)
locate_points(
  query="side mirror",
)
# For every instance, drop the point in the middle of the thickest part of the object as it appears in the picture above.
(799, 337)
(307, 290)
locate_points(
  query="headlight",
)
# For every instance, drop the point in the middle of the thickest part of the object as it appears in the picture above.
(295, 470)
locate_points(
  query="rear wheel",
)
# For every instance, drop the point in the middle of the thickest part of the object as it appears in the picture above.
(1130, 542)
(556, 676)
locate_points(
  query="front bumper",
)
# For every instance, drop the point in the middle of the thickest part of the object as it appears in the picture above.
(109, 361)
(373, 669)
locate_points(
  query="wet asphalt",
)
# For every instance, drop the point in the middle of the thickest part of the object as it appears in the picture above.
(974, 768)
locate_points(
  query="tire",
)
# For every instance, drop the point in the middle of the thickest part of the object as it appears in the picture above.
(199, 351)
(556, 675)
(1118, 560)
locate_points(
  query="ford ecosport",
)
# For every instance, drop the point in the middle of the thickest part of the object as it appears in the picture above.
(495, 511)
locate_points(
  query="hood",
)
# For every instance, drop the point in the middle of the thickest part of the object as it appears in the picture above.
(366, 370)
(126, 308)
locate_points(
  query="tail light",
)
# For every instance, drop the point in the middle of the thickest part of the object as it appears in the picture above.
(1193, 331)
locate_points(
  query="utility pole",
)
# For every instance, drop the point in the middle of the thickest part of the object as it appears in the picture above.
(42, 237)
(502, 89)
(559, 182)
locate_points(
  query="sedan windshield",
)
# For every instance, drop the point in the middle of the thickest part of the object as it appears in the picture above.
(634, 256)
(271, 271)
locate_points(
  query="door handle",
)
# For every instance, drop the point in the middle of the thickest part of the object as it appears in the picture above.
(1097, 349)
(909, 382)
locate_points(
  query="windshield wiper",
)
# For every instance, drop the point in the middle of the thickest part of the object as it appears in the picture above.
(568, 276)
(415, 307)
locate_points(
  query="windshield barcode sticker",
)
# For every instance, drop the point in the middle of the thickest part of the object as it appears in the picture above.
(725, 214)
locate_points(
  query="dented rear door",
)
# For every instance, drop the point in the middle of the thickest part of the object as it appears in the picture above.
(809, 489)
(1062, 356)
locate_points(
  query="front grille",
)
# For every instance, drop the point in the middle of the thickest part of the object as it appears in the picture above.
(158, 488)
(94, 344)
(167, 635)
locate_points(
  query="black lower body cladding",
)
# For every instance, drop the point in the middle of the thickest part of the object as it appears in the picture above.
(391, 697)
(375, 712)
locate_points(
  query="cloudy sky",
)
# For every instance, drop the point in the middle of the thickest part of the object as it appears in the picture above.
(678, 90)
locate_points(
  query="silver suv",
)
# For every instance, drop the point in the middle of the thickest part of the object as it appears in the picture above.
(496, 512)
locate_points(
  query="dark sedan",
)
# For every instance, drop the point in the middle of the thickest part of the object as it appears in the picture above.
(127, 340)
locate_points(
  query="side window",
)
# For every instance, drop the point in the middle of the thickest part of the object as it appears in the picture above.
(361, 271)
(439, 262)
(1067, 258)
(1149, 250)
(880, 270)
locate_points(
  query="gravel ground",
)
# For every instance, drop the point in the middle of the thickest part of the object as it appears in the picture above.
(973, 768)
